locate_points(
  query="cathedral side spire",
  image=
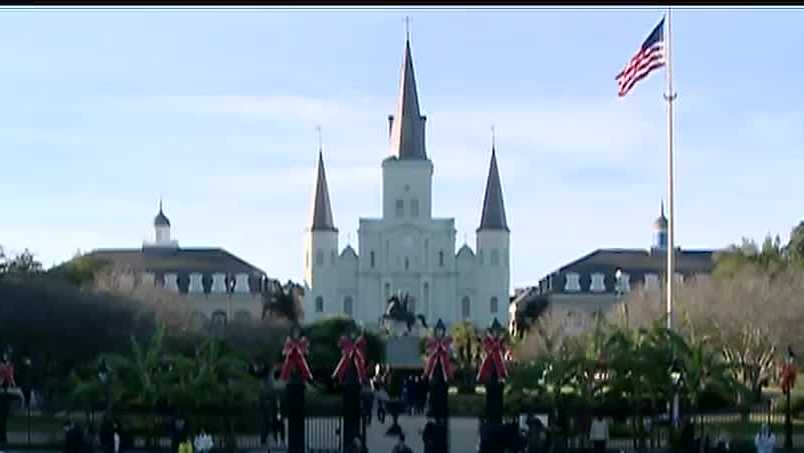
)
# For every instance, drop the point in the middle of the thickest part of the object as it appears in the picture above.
(493, 217)
(407, 124)
(322, 209)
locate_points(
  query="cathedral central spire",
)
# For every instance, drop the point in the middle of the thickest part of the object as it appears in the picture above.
(407, 124)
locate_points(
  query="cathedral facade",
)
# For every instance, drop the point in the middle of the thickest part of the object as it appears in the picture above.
(407, 250)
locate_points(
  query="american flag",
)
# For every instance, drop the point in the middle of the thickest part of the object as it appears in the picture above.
(650, 56)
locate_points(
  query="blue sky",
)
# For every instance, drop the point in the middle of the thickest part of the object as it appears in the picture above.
(103, 111)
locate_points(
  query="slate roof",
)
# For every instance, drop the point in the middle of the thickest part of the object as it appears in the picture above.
(177, 260)
(322, 209)
(407, 124)
(635, 262)
(161, 219)
(493, 217)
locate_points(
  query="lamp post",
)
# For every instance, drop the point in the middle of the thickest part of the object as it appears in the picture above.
(26, 362)
(103, 377)
(788, 381)
(618, 287)
(677, 380)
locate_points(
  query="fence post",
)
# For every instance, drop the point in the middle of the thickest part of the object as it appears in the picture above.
(438, 370)
(492, 370)
(296, 371)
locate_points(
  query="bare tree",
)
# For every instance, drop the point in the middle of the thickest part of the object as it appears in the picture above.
(168, 307)
(546, 335)
(750, 314)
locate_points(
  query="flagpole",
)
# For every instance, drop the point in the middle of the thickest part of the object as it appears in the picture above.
(670, 96)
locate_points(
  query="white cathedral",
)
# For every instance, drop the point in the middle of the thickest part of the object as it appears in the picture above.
(407, 250)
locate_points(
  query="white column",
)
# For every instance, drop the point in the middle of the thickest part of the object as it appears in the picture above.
(196, 285)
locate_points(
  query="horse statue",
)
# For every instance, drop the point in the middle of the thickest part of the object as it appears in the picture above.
(398, 311)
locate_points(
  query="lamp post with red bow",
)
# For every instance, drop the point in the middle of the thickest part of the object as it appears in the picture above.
(438, 370)
(351, 373)
(788, 382)
(295, 372)
(492, 373)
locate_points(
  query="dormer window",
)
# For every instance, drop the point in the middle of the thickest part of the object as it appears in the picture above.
(573, 282)
(597, 284)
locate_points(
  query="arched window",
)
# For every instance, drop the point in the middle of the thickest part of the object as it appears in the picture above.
(407, 263)
(493, 305)
(319, 257)
(480, 257)
(414, 207)
(348, 305)
(466, 307)
(219, 318)
(319, 304)
(371, 258)
(441, 258)
(332, 257)
(495, 258)
(400, 208)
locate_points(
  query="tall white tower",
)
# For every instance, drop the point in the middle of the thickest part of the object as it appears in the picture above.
(407, 181)
(493, 247)
(321, 252)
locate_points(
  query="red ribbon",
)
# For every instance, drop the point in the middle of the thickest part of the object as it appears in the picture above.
(789, 373)
(495, 350)
(438, 351)
(294, 352)
(7, 375)
(351, 351)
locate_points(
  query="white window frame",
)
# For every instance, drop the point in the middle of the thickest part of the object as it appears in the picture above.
(597, 283)
(572, 282)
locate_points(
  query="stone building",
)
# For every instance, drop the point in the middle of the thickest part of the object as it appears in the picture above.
(407, 250)
(597, 281)
(219, 285)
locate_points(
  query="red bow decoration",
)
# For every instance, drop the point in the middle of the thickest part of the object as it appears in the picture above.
(351, 351)
(495, 350)
(294, 352)
(438, 351)
(788, 377)
(7, 375)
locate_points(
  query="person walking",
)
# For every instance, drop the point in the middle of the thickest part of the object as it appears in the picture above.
(203, 442)
(765, 440)
(186, 446)
(599, 433)
(382, 399)
(401, 447)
